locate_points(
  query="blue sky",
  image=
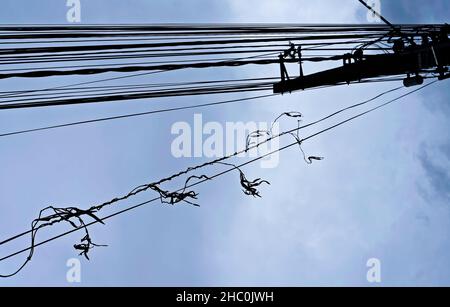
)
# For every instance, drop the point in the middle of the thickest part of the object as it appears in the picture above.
(382, 191)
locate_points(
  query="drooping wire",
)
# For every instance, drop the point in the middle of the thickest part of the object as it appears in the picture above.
(176, 196)
(130, 115)
(90, 121)
(107, 79)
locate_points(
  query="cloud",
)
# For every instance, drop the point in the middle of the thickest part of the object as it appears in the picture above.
(292, 11)
(315, 224)
(416, 11)
(436, 170)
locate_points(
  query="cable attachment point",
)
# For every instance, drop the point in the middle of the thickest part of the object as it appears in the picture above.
(293, 54)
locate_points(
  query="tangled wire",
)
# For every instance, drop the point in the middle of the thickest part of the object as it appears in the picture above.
(75, 217)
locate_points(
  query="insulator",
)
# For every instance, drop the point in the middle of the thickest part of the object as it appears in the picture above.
(413, 81)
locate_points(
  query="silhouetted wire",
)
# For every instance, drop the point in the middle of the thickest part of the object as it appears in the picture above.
(89, 121)
(142, 95)
(102, 56)
(308, 58)
(96, 89)
(160, 67)
(61, 49)
(157, 94)
(138, 114)
(136, 54)
(65, 214)
(110, 79)
(248, 185)
(125, 94)
(106, 65)
(7, 42)
(271, 135)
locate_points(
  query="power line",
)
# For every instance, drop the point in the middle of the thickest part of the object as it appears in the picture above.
(135, 115)
(192, 91)
(107, 79)
(154, 92)
(161, 67)
(130, 115)
(284, 133)
(297, 142)
(159, 85)
(377, 14)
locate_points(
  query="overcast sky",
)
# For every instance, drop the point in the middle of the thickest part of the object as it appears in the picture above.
(383, 190)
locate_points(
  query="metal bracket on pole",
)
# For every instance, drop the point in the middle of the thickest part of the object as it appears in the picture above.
(287, 53)
(440, 69)
(299, 53)
(291, 53)
(283, 70)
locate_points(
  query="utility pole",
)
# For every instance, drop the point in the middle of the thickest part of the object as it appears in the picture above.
(409, 61)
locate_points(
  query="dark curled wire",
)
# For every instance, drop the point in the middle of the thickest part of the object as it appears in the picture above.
(249, 187)
(307, 159)
(258, 134)
(269, 134)
(69, 215)
(176, 197)
(72, 215)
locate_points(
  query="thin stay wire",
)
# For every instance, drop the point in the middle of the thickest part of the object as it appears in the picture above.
(297, 142)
